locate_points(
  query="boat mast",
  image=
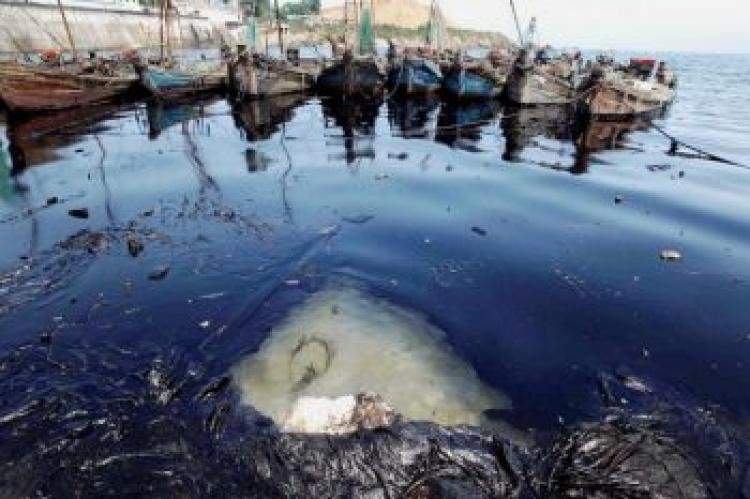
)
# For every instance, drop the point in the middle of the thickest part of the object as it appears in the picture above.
(248, 17)
(279, 27)
(518, 24)
(435, 27)
(168, 29)
(67, 30)
(161, 30)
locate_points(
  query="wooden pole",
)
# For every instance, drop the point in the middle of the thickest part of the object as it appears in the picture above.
(279, 28)
(518, 25)
(168, 29)
(67, 30)
(161, 30)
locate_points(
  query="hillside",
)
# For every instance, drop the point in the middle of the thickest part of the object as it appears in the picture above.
(408, 14)
(401, 21)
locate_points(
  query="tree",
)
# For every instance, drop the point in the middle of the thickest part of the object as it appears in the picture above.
(300, 8)
(263, 8)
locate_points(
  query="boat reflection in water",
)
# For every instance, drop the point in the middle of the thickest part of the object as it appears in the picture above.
(460, 124)
(8, 187)
(414, 118)
(531, 127)
(259, 119)
(523, 125)
(162, 117)
(356, 119)
(38, 140)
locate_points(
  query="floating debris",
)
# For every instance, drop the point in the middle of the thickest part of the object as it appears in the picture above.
(330, 230)
(79, 212)
(358, 219)
(135, 246)
(159, 273)
(478, 230)
(212, 296)
(339, 416)
(670, 255)
(52, 200)
(619, 199)
(85, 240)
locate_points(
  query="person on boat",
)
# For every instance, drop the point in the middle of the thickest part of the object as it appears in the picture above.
(392, 52)
(665, 76)
(50, 57)
(225, 51)
(96, 65)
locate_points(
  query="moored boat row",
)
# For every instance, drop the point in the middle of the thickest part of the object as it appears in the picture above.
(524, 76)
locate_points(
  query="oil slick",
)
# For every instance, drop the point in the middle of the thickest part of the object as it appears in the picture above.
(341, 342)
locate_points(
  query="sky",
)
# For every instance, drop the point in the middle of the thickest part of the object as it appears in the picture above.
(713, 26)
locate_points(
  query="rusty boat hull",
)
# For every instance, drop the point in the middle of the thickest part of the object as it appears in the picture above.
(623, 100)
(27, 90)
(248, 80)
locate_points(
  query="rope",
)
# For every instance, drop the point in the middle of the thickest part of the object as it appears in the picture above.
(675, 143)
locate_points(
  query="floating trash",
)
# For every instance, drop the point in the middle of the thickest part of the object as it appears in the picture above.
(343, 342)
(79, 212)
(671, 255)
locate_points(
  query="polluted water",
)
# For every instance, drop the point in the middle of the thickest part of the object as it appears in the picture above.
(343, 341)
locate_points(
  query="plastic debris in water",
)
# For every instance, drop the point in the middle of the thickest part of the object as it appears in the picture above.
(79, 212)
(671, 255)
(342, 342)
(158, 273)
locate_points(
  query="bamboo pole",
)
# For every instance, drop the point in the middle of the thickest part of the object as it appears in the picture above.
(518, 25)
(161, 30)
(67, 30)
(168, 29)
(279, 27)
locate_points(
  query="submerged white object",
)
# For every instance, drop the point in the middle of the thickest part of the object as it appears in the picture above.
(342, 341)
(338, 416)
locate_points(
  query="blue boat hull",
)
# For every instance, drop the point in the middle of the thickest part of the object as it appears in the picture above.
(463, 84)
(167, 84)
(414, 77)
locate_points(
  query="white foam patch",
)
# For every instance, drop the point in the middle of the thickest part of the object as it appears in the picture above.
(342, 342)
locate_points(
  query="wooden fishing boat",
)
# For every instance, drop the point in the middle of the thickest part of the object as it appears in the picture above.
(351, 77)
(170, 80)
(26, 89)
(32, 89)
(167, 84)
(251, 78)
(530, 84)
(414, 77)
(626, 95)
(626, 99)
(464, 83)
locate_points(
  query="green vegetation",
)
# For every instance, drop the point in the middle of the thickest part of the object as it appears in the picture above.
(300, 8)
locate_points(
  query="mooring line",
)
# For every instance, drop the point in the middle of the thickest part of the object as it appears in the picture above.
(675, 143)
